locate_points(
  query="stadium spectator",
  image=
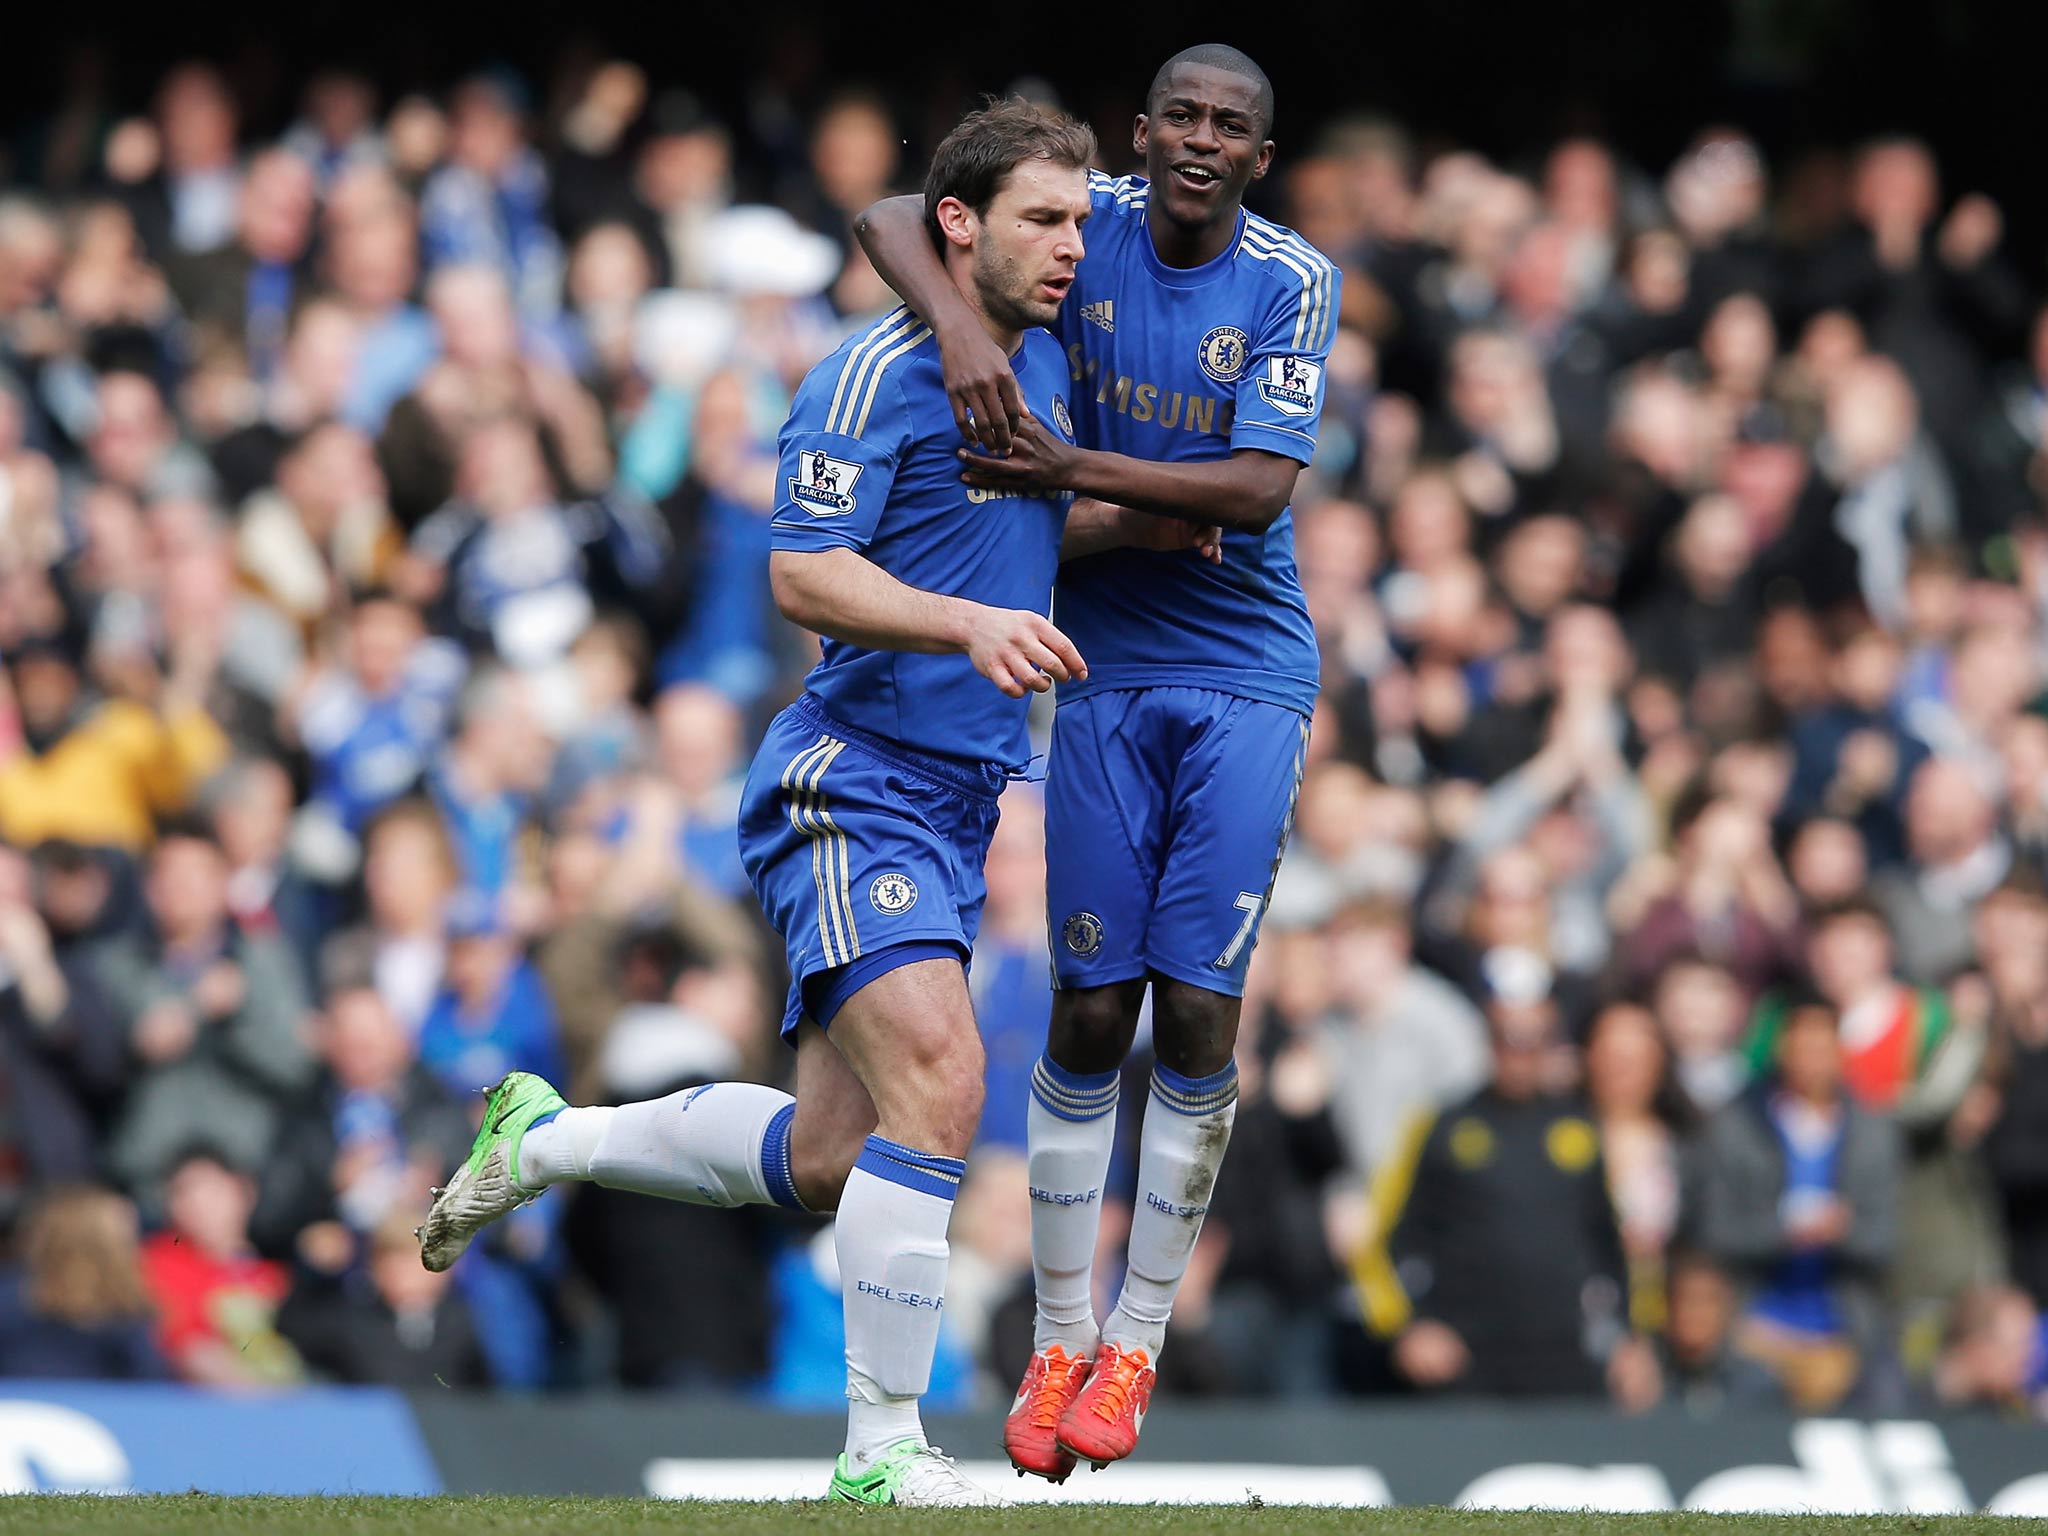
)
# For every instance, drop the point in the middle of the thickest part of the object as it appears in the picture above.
(1996, 1355)
(1012, 978)
(493, 1015)
(489, 203)
(1475, 1300)
(370, 1136)
(75, 1305)
(1703, 1374)
(214, 1014)
(1703, 1018)
(1635, 1107)
(1957, 855)
(679, 1029)
(1798, 1191)
(216, 1301)
(1254, 1314)
(251, 818)
(94, 770)
(391, 1324)
(60, 1052)
(1401, 1040)
(2013, 1096)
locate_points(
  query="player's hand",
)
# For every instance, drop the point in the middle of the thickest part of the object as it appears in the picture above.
(981, 389)
(1020, 651)
(1147, 530)
(1038, 461)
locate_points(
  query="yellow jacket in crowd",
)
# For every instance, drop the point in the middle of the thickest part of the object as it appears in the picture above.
(106, 781)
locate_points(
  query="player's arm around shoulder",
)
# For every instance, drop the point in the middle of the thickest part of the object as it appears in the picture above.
(980, 384)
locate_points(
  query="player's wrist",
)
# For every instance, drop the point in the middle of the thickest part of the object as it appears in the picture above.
(959, 622)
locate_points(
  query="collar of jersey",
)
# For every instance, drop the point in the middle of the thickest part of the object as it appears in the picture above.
(1190, 277)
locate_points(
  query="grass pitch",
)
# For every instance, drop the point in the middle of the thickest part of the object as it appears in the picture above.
(209, 1515)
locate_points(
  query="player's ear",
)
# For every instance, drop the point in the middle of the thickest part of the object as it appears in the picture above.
(956, 222)
(1265, 161)
(1140, 131)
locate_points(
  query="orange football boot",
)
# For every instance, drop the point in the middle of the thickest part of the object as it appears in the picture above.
(1052, 1381)
(1102, 1424)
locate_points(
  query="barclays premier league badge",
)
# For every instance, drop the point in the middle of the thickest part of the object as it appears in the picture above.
(823, 485)
(1290, 385)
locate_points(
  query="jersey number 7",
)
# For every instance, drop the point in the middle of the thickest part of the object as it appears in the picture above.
(1249, 904)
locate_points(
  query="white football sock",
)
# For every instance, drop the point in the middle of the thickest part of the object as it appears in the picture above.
(720, 1144)
(1071, 1129)
(891, 1240)
(560, 1149)
(1187, 1126)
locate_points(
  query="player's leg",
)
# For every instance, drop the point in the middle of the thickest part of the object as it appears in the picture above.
(909, 1036)
(1233, 803)
(717, 1144)
(1102, 840)
(1104, 826)
(726, 1144)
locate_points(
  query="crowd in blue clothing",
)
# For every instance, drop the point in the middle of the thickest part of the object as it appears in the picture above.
(385, 630)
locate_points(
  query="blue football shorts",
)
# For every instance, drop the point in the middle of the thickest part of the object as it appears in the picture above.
(1167, 810)
(865, 855)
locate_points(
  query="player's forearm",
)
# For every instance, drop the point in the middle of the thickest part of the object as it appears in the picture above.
(845, 596)
(1092, 527)
(892, 233)
(1248, 490)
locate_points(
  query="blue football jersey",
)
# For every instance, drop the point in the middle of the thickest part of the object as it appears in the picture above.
(868, 462)
(1180, 364)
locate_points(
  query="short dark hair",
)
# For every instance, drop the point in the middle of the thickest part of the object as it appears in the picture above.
(1217, 56)
(1850, 909)
(976, 158)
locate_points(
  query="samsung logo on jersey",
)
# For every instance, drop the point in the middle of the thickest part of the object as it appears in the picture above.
(976, 494)
(1140, 401)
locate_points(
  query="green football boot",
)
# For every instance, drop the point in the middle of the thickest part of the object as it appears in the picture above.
(913, 1474)
(487, 1185)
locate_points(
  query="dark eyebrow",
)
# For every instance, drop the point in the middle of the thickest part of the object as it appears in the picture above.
(1217, 107)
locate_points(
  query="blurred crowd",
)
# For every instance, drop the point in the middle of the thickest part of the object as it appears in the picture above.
(1653, 1006)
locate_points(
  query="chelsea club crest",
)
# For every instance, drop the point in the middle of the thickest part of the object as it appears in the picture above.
(1060, 418)
(1082, 933)
(1225, 351)
(893, 893)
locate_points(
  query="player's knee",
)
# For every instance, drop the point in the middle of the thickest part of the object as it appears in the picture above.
(1194, 1030)
(933, 1090)
(1092, 1027)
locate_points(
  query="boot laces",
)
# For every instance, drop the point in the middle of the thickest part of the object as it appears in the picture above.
(1046, 1397)
(1119, 1382)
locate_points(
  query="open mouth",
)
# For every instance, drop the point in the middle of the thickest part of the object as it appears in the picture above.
(1056, 287)
(1198, 178)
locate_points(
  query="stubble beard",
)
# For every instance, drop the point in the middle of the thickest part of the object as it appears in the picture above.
(1000, 284)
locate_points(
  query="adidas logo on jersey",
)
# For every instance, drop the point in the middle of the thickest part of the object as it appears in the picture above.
(1102, 312)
